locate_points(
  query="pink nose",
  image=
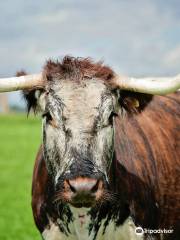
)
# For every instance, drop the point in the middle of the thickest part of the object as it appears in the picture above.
(84, 191)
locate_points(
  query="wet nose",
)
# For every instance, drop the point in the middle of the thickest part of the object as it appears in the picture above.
(84, 191)
(86, 185)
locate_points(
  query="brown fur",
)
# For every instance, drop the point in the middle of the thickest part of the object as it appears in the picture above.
(76, 68)
(39, 189)
(147, 146)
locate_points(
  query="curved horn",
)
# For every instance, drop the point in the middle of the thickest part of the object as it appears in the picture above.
(21, 83)
(151, 85)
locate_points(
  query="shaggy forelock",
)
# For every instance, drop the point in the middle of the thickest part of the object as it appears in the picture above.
(76, 69)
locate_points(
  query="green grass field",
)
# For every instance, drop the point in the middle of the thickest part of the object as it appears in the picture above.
(19, 141)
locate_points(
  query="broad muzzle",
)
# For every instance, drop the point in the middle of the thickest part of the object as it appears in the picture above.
(83, 191)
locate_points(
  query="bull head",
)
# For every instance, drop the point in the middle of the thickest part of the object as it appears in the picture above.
(79, 100)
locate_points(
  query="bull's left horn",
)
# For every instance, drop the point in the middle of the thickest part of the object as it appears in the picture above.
(150, 85)
(21, 83)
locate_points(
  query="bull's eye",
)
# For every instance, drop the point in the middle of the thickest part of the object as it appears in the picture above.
(48, 116)
(111, 117)
(49, 119)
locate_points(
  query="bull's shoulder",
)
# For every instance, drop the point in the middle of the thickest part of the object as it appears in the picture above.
(41, 187)
(147, 148)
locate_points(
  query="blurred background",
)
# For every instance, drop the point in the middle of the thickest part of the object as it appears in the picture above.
(137, 38)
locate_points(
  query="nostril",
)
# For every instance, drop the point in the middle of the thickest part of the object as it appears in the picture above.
(73, 189)
(95, 187)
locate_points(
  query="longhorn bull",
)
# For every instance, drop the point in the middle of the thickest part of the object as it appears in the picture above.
(109, 158)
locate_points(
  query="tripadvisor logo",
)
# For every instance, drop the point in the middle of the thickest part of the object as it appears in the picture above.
(141, 231)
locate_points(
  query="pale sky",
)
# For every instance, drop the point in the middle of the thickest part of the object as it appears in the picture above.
(134, 37)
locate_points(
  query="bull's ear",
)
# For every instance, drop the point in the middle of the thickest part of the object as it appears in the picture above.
(34, 98)
(133, 102)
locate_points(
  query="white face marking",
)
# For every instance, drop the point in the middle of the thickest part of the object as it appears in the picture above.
(80, 113)
(80, 232)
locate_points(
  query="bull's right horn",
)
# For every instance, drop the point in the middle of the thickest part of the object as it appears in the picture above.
(34, 81)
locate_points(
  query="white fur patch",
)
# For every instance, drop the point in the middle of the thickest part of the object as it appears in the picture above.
(52, 233)
(79, 229)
